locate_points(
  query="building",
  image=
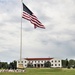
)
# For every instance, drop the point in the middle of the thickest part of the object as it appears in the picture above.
(39, 62)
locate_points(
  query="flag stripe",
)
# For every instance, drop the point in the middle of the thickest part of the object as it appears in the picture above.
(35, 18)
(26, 16)
(37, 25)
(36, 22)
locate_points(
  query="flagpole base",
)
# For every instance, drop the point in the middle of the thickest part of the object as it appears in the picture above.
(20, 66)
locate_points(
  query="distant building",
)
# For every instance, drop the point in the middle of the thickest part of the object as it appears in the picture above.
(39, 62)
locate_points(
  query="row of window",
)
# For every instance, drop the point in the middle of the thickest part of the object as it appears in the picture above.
(55, 61)
(44, 61)
(38, 61)
(22, 61)
(55, 64)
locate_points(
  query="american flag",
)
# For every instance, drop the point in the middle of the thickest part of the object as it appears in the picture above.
(28, 15)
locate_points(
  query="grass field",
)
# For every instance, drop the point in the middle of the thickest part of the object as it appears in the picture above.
(44, 71)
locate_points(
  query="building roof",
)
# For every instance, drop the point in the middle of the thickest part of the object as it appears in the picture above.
(38, 58)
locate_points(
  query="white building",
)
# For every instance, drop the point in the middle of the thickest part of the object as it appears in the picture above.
(39, 62)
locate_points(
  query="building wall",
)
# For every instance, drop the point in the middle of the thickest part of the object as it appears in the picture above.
(40, 63)
(24, 62)
(56, 63)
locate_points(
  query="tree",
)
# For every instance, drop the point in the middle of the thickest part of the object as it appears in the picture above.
(13, 65)
(3, 65)
(29, 65)
(47, 64)
(65, 63)
(71, 63)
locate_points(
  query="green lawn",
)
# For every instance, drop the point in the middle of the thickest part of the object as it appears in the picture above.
(46, 71)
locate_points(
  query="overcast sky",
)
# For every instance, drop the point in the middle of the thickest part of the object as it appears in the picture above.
(57, 40)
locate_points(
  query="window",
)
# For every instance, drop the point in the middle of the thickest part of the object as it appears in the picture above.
(25, 65)
(21, 61)
(41, 61)
(38, 61)
(52, 60)
(51, 64)
(59, 61)
(55, 61)
(55, 64)
(59, 64)
(25, 61)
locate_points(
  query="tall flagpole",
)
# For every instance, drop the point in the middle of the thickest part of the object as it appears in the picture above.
(21, 35)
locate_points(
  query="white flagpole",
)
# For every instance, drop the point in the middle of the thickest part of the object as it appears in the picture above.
(21, 34)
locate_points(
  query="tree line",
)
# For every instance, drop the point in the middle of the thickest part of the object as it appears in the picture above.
(11, 65)
(68, 63)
